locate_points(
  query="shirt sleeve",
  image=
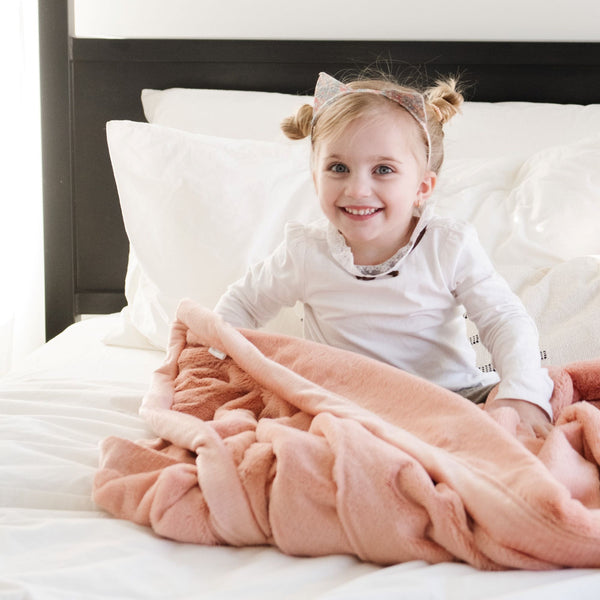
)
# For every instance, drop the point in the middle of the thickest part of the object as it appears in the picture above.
(267, 286)
(505, 327)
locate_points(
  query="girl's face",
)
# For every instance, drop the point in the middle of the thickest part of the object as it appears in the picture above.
(369, 179)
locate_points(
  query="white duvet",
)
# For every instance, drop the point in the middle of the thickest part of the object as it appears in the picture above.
(55, 544)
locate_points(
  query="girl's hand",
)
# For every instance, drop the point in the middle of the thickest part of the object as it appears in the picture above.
(529, 414)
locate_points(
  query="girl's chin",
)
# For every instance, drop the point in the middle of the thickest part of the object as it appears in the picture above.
(358, 237)
(360, 244)
(368, 248)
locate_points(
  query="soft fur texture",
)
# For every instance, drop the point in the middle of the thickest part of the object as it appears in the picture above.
(320, 451)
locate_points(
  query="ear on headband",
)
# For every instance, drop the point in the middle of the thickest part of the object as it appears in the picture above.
(329, 89)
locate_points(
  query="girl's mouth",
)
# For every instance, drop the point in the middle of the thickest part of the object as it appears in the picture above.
(360, 212)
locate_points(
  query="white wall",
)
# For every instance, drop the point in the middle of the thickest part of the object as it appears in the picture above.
(528, 20)
(21, 237)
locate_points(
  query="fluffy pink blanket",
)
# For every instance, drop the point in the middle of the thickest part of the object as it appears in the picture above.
(320, 451)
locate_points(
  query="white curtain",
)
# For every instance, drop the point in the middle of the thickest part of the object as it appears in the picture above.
(21, 241)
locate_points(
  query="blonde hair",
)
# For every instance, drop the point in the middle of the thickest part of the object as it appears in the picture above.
(442, 102)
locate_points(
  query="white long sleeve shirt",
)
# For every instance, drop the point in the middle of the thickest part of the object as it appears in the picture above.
(410, 315)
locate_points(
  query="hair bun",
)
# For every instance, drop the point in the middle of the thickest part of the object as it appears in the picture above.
(445, 98)
(298, 126)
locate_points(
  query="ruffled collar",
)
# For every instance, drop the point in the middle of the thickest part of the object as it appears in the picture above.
(342, 253)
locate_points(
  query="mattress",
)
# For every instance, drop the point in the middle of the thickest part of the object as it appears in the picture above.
(55, 543)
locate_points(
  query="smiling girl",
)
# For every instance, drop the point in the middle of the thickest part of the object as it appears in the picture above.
(382, 275)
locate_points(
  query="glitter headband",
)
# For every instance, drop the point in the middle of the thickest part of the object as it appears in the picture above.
(328, 90)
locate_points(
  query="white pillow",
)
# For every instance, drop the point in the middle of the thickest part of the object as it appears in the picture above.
(224, 113)
(483, 130)
(516, 129)
(198, 210)
(503, 172)
(538, 220)
(555, 205)
(564, 301)
(529, 213)
(476, 190)
(184, 243)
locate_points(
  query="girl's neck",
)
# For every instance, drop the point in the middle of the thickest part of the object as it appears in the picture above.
(369, 254)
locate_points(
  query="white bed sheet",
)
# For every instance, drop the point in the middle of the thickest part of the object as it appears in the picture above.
(55, 544)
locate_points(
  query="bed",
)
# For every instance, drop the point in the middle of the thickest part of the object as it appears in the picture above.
(522, 166)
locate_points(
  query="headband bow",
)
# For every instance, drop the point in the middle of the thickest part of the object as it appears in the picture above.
(329, 89)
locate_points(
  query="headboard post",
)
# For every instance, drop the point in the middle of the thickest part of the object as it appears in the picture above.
(56, 169)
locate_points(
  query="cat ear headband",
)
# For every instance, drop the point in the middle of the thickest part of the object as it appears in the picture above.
(329, 89)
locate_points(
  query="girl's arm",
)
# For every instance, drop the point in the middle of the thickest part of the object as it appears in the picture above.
(266, 287)
(507, 331)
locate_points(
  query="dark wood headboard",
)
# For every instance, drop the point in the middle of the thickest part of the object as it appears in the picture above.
(86, 82)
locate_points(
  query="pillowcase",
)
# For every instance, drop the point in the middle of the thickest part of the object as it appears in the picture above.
(516, 129)
(564, 301)
(223, 113)
(198, 211)
(531, 213)
(504, 172)
(555, 205)
(186, 243)
(538, 221)
(483, 130)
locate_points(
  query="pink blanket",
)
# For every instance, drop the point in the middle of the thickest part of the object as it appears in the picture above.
(320, 451)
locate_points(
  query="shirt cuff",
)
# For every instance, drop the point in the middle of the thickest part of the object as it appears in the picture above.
(532, 386)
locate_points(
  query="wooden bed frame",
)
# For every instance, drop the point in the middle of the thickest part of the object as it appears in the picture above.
(86, 82)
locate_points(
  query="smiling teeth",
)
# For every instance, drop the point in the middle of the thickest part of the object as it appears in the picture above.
(362, 211)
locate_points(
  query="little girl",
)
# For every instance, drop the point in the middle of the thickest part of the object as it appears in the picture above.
(382, 275)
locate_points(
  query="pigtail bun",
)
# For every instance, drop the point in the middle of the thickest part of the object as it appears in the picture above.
(445, 99)
(298, 126)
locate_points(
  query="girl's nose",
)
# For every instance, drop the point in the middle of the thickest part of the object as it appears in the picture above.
(358, 186)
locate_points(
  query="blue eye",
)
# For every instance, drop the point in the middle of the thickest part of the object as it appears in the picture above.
(338, 168)
(383, 170)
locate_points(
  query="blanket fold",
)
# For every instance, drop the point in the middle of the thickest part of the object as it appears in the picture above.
(319, 451)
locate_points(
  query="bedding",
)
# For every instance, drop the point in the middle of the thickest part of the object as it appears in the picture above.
(522, 202)
(485, 130)
(250, 188)
(55, 542)
(76, 391)
(522, 173)
(231, 114)
(283, 444)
